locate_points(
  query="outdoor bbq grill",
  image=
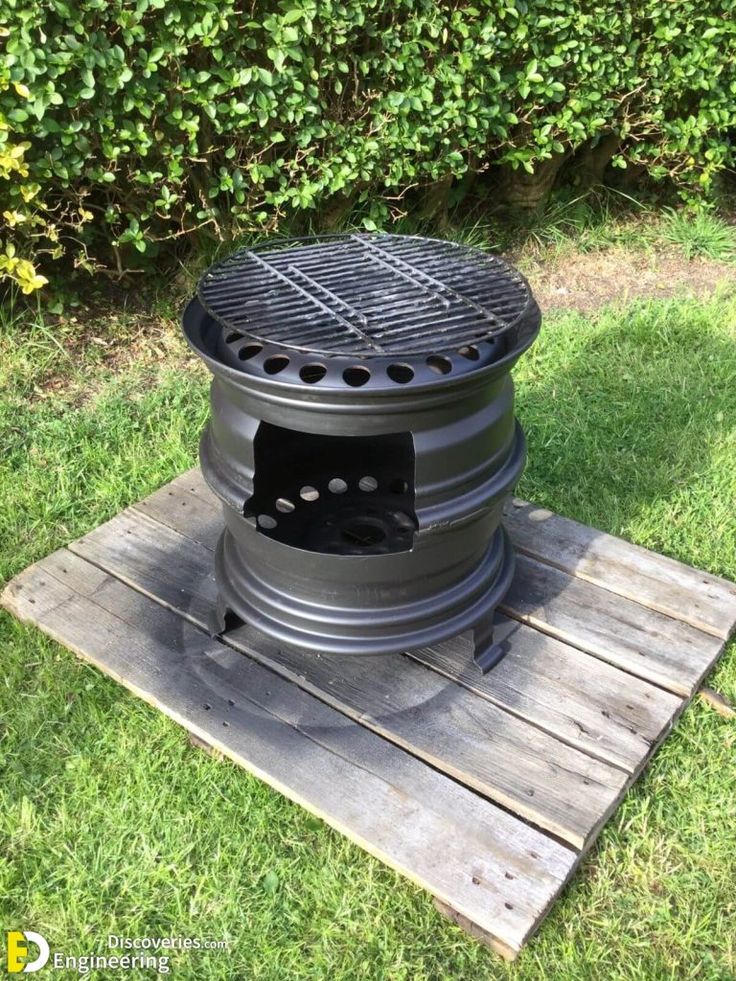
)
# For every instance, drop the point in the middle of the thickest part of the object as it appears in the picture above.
(362, 438)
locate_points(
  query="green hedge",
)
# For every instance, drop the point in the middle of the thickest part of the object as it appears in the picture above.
(125, 123)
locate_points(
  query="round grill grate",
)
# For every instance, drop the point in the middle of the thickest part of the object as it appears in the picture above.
(364, 295)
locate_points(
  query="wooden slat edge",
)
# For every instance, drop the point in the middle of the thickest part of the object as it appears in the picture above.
(476, 932)
(656, 581)
(648, 644)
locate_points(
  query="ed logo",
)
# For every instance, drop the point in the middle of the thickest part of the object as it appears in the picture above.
(18, 950)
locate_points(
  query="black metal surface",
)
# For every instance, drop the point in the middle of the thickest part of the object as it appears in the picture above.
(355, 310)
(362, 438)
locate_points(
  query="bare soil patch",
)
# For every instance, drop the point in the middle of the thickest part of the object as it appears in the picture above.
(586, 281)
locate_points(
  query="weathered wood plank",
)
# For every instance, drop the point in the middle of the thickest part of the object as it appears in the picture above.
(703, 600)
(493, 870)
(648, 644)
(500, 755)
(591, 627)
(515, 764)
(590, 704)
(187, 505)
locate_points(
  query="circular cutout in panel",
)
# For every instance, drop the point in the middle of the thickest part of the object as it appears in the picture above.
(368, 484)
(266, 521)
(337, 486)
(356, 376)
(308, 493)
(284, 505)
(469, 351)
(398, 486)
(438, 364)
(249, 351)
(400, 373)
(275, 364)
(233, 336)
(312, 373)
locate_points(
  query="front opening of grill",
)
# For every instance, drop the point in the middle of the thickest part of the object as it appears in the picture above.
(344, 495)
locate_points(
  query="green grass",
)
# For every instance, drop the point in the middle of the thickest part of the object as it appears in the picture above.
(111, 822)
(602, 218)
(701, 233)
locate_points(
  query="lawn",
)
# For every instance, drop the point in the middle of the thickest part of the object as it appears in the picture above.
(112, 823)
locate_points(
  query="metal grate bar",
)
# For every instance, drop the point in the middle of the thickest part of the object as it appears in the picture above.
(315, 300)
(443, 287)
(415, 277)
(298, 274)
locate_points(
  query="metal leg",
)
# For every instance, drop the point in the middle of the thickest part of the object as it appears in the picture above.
(222, 619)
(490, 640)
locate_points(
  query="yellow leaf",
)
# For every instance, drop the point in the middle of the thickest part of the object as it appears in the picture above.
(27, 277)
(22, 90)
(29, 191)
(14, 218)
(39, 281)
(25, 269)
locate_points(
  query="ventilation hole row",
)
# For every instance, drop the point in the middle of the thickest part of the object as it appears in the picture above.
(402, 373)
(355, 376)
(336, 486)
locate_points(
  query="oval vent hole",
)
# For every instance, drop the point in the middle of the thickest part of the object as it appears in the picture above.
(400, 373)
(249, 351)
(284, 505)
(440, 365)
(266, 521)
(368, 483)
(308, 493)
(233, 336)
(399, 486)
(337, 486)
(275, 364)
(311, 373)
(469, 351)
(356, 376)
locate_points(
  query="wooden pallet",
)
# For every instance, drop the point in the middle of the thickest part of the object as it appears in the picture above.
(486, 791)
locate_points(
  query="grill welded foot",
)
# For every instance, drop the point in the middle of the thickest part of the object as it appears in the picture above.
(486, 652)
(222, 619)
(492, 639)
